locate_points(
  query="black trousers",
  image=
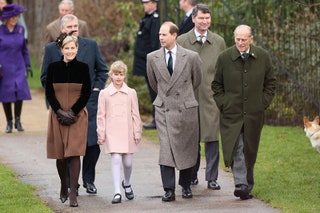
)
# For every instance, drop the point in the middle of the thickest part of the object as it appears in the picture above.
(195, 169)
(168, 177)
(89, 164)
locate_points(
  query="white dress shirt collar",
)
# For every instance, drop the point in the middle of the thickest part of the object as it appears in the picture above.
(198, 34)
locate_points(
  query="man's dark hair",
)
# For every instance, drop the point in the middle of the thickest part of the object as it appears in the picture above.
(200, 7)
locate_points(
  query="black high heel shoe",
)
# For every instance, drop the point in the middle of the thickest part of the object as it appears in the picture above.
(129, 195)
(73, 200)
(74, 203)
(9, 127)
(64, 194)
(18, 125)
(63, 198)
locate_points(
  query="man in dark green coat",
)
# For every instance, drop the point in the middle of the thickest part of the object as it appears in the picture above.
(243, 87)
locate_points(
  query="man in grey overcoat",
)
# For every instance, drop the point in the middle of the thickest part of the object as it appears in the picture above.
(176, 108)
(244, 86)
(208, 45)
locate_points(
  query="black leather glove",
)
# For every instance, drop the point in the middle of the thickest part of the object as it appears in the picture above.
(29, 72)
(66, 117)
(72, 116)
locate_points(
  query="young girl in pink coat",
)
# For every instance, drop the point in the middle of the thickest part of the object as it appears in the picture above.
(119, 126)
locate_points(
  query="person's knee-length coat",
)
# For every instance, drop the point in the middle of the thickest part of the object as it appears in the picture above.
(176, 109)
(67, 87)
(14, 58)
(208, 52)
(118, 119)
(242, 91)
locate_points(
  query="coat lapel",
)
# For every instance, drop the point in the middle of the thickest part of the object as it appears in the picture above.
(161, 62)
(179, 66)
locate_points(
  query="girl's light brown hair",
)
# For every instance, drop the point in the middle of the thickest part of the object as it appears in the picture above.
(117, 67)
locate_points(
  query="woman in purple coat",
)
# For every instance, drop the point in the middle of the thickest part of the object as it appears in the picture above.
(14, 58)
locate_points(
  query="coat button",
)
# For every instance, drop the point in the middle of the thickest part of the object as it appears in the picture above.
(167, 110)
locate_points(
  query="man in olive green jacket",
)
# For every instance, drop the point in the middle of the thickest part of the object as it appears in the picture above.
(209, 49)
(243, 87)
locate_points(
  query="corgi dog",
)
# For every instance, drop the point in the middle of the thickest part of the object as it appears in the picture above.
(312, 129)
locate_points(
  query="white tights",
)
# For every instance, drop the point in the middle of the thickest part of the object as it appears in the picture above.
(116, 160)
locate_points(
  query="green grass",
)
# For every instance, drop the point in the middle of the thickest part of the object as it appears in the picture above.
(34, 82)
(286, 172)
(16, 196)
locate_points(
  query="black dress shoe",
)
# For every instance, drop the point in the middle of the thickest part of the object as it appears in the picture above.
(169, 196)
(116, 199)
(91, 189)
(249, 196)
(213, 185)
(242, 192)
(129, 195)
(151, 125)
(194, 181)
(186, 193)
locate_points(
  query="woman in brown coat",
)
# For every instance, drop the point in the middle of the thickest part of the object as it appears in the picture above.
(67, 90)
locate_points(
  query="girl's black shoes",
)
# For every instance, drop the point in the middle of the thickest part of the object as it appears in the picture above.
(116, 198)
(129, 195)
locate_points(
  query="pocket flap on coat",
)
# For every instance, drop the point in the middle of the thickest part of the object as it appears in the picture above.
(158, 102)
(190, 104)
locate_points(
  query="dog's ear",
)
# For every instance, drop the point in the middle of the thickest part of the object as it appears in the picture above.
(306, 122)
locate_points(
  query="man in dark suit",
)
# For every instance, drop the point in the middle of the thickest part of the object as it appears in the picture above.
(147, 40)
(174, 72)
(187, 24)
(52, 30)
(88, 53)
